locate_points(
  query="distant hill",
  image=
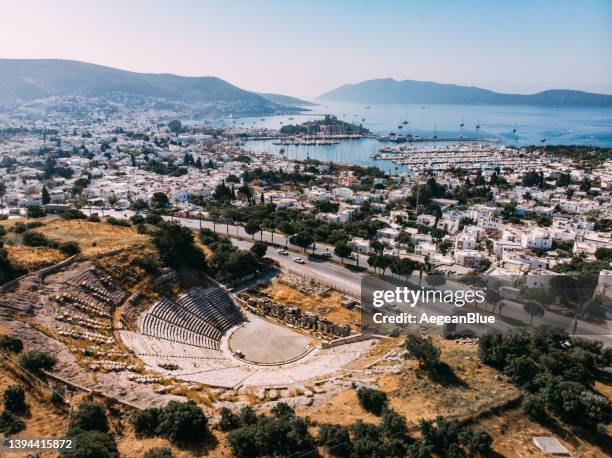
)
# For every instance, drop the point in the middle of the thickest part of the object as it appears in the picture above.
(23, 80)
(285, 100)
(425, 92)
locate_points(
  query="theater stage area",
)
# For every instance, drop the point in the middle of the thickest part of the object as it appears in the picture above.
(263, 342)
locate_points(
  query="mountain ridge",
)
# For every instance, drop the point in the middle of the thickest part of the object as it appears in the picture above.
(25, 80)
(389, 90)
(286, 100)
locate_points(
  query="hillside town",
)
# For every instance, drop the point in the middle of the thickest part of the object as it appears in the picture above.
(534, 210)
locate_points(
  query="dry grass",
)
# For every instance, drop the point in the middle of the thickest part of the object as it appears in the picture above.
(130, 446)
(94, 238)
(42, 419)
(415, 395)
(342, 409)
(329, 307)
(34, 258)
(605, 389)
(476, 386)
(376, 352)
(513, 433)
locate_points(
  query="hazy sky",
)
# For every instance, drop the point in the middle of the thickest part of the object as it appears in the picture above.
(304, 48)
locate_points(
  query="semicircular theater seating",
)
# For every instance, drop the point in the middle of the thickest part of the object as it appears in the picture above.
(186, 335)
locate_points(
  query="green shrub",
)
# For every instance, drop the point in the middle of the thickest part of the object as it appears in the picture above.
(10, 424)
(137, 219)
(182, 422)
(91, 444)
(36, 361)
(90, 416)
(10, 344)
(247, 416)
(14, 400)
(153, 218)
(159, 452)
(19, 227)
(145, 422)
(372, 400)
(69, 248)
(32, 238)
(533, 406)
(394, 424)
(117, 222)
(335, 440)
(57, 399)
(148, 263)
(282, 434)
(423, 350)
(229, 420)
(476, 441)
(36, 211)
(74, 214)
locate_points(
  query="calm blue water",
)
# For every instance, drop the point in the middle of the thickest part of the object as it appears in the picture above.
(586, 126)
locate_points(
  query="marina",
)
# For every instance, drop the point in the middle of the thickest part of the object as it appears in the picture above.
(464, 156)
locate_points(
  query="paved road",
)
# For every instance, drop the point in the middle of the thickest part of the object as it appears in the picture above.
(350, 281)
(329, 273)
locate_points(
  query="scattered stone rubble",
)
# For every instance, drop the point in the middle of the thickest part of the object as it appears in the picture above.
(304, 286)
(293, 316)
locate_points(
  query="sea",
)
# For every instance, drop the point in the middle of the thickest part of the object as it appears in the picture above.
(510, 125)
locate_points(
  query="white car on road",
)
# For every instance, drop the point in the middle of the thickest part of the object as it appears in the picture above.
(283, 252)
(299, 260)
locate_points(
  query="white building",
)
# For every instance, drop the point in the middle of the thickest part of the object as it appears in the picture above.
(465, 242)
(360, 245)
(468, 258)
(537, 239)
(388, 234)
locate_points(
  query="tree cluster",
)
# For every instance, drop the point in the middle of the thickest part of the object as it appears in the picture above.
(179, 422)
(558, 371)
(280, 434)
(229, 261)
(176, 246)
(88, 430)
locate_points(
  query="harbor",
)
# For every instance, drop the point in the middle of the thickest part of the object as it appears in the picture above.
(472, 156)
